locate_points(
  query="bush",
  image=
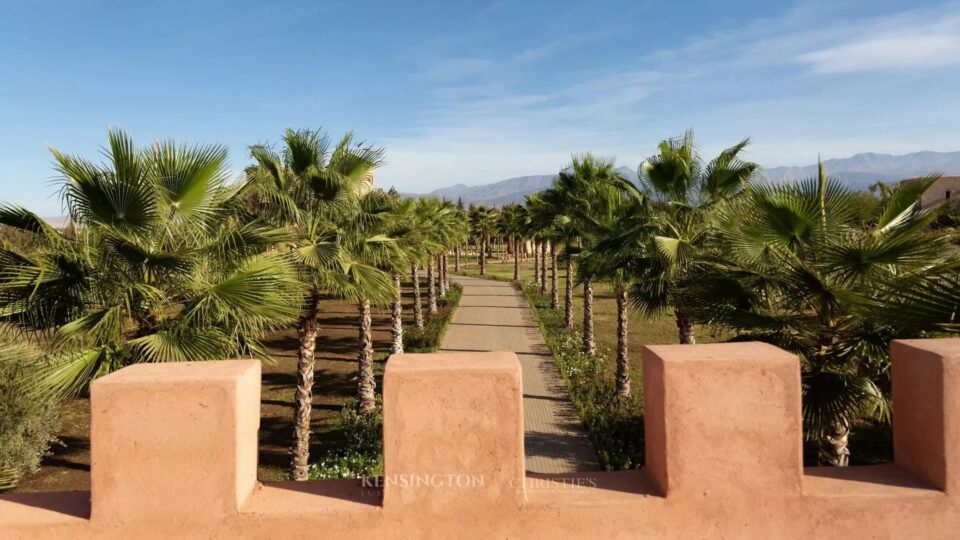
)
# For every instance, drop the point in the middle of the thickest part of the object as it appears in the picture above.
(358, 450)
(346, 465)
(28, 421)
(416, 340)
(615, 427)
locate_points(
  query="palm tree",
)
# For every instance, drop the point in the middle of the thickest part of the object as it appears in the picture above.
(795, 268)
(364, 235)
(314, 191)
(531, 229)
(403, 229)
(159, 264)
(453, 230)
(429, 221)
(483, 221)
(684, 190)
(512, 221)
(563, 231)
(605, 207)
(599, 203)
(460, 233)
(540, 222)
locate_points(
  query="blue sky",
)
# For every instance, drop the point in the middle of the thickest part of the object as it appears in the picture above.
(475, 92)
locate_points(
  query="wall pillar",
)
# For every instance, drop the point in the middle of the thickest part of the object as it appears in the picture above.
(926, 410)
(175, 442)
(723, 420)
(453, 432)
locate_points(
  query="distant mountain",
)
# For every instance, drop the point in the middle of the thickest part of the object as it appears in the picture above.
(498, 193)
(862, 170)
(858, 172)
(511, 190)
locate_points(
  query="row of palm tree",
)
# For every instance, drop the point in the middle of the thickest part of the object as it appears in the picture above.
(165, 259)
(796, 265)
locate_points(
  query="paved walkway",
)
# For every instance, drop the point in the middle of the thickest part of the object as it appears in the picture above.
(494, 316)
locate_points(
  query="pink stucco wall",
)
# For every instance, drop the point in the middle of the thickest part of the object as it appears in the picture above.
(174, 456)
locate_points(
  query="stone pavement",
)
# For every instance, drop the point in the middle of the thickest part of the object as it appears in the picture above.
(494, 316)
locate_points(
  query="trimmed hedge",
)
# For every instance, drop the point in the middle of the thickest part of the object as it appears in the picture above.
(428, 339)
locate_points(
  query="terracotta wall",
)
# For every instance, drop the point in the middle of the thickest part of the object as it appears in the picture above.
(174, 456)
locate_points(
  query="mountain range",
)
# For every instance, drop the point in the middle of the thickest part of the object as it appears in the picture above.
(858, 172)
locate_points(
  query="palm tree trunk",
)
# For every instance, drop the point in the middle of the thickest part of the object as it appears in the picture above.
(516, 259)
(456, 258)
(303, 397)
(543, 267)
(483, 254)
(446, 272)
(366, 398)
(589, 344)
(536, 263)
(442, 279)
(568, 296)
(431, 287)
(685, 327)
(396, 318)
(833, 445)
(417, 307)
(623, 360)
(554, 290)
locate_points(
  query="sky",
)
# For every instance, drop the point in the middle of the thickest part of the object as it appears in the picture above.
(475, 92)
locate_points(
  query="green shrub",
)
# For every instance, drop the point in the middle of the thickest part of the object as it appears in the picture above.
(615, 427)
(346, 465)
(28, 421)
(357, 449)
(427, 339)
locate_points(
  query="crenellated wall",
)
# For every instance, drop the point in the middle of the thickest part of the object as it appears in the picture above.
(174, 456)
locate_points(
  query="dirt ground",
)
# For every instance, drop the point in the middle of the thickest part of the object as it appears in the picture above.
(68, 467)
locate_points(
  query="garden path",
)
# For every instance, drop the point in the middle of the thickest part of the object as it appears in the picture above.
(494, 316)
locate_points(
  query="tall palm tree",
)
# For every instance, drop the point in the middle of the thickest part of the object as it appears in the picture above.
(598, 203)
(605, 206)
(462, 232)
(540, 223)
(313, 191)
(563, 231)
(403, 229)
(684, 190)
(372, 248)
(429, 222)
(794, 267)
(159, 264)
(453, 228)
(483, 221)
(512, 222)
(531, 229)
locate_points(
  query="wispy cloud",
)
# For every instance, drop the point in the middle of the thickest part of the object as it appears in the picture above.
(559, 45)
(498, 115)
(907, 51)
